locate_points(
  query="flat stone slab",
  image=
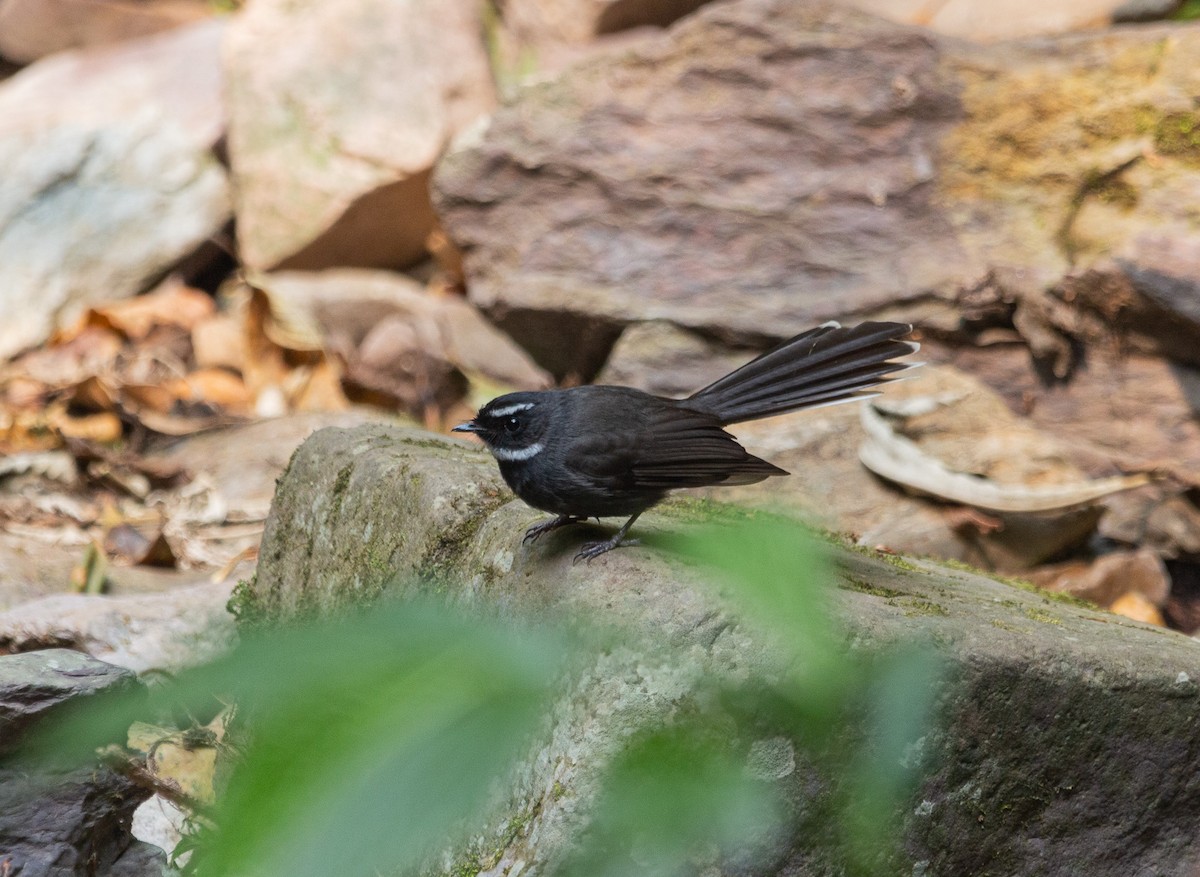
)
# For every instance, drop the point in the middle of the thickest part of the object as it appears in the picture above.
(1069, 739)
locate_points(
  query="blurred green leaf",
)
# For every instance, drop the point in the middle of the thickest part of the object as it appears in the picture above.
(673, 797)
(394, 739)
(778, 574)
(1189, 10)
(884, 768)
(372, 737)
(380, 738)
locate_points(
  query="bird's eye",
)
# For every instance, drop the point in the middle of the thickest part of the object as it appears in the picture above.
(512, 424)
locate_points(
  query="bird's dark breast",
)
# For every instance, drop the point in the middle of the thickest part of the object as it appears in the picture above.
(557, 490)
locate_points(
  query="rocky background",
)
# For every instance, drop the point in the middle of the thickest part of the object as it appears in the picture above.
(223, 226)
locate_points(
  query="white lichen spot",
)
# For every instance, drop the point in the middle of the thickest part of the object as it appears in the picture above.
(503, 561)
(925, 808)
(771, 759)
(368, 530)
(1183, 678)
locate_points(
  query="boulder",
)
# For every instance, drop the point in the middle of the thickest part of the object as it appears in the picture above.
(31, 29)
(338, 112)
(768, 164)
(157, 633)
(109, 175)
(1012, 19)
(1063, 743)
(64, 822)
(539, 37)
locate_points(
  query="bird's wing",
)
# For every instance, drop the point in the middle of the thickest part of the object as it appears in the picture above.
(674, 448)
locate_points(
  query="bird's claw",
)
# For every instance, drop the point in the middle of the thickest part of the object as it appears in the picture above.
(539, 530)
(591, 550)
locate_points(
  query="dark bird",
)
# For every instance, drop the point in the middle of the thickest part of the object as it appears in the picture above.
(598, 451)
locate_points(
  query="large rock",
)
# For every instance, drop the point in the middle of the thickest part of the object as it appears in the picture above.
(1066, 746)
(33, 686)
(159, 633)
(109, 175)
(1010, 19)
(337, 113)
(767, 164)
(31, 29)
(64, 823)
(536, 37)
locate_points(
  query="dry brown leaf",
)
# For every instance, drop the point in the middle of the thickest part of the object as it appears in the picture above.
(153, 397)
(220, 341)
(103, 426)
(1136, 606)
(317, 388)
(67, 361)
(216, 386)
(179, 424)
(27, 431)
(449, 259)
(21, 391)
(160, 473)
(285, 323)
(250, 553)
(266, 365)
(172, 304)
(95, 394)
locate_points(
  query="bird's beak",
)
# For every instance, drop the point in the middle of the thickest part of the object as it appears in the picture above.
(469, 426)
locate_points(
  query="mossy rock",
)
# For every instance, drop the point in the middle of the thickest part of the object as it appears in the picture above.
(1069, 737)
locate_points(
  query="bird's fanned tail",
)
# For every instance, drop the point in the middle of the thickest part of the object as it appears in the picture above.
(824, 366)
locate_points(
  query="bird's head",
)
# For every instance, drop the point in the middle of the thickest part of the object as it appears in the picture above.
(512, 426)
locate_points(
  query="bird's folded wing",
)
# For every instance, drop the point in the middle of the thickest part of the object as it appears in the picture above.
(678, 449)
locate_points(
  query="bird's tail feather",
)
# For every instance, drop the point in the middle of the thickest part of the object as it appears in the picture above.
(824, 366)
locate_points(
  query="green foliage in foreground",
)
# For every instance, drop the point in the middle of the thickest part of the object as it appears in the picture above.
(378, 739)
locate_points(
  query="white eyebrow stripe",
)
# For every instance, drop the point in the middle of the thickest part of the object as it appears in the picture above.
(510, 409)
(511, 456)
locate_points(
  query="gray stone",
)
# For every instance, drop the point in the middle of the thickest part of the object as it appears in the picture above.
(109, 175)
(59, 821)
(661, 358)
(163, 633)
(34, 684)
(1067, 744)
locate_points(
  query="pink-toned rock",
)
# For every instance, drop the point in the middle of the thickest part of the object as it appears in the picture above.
(544, 36)
(767, 164)
(31, 29)
(109, 178)
(338, 112)
(1001, 19)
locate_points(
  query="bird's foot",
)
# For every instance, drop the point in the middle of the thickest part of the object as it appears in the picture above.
(539, 530)
(592, 550)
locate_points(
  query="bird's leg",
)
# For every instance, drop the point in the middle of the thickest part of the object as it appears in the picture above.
(592, 550)
(537, 530)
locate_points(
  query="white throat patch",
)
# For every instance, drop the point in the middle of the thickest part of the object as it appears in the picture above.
(510, 409)
(512, 456)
